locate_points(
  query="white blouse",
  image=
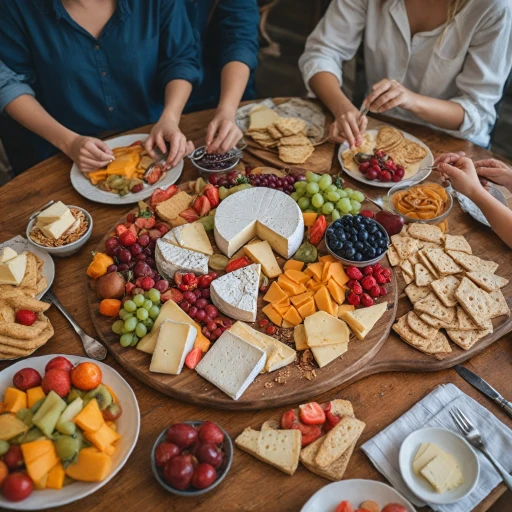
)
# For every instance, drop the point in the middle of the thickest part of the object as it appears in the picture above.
(469, 65)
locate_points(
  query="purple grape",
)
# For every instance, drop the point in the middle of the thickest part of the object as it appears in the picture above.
(290, 189)
(150, 262)
(131, 264)
(280, 189)
(147, 251)
(111, 268)
(300, 177)
(271, 185)
(140, 257)
(142, 269)
(123, 267)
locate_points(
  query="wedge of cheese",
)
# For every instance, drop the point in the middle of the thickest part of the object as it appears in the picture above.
(52, 214)
(324, 329)
(7, 254)
(261, 253)
(13, 270)
(56, 229)
(327, 354)
(361, 321)
(190, 236)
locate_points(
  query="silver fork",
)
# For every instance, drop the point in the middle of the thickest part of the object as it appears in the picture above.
(469, 431)
(93, 348)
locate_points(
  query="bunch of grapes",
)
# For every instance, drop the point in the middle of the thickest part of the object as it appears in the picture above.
(319, 194)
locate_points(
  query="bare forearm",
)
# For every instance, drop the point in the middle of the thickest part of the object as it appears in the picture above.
(234, 78)
(326, 86)
(177, 93)
(30, 113)
(441, 113)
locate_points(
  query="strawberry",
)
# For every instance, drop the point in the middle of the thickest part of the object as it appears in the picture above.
(375, 291)
(354, 273)
(25, 317)
(311, 414)
(380, 278)
(353, 299)
(331, 420)
(310, 433)
(366, 300)
(128, 287)
(151, 221)
(212, 193)
(357, 289)
(154, 175)
(368, 282)
(367, 213)
(382, 291)
(202, 205)
(190, 215)
(193, 358)
(134, 229)
(288, 419)
(244, 261)
(178, 278)
(368, 271)
(120, 229)
(352, 283)
(141, 222)
(317, 230)
(130, 218)
(326, 407)
(173, 294)
(160, 195)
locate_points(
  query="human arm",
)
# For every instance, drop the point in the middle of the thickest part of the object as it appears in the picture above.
(495, 171)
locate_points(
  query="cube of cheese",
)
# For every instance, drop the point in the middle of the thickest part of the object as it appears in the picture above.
(53, 213)
(56, 229)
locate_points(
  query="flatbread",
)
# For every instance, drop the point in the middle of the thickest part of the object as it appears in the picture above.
(432, 306)
(413, 151)
(416, 293)
(473, 263)
(426, 232)
(422, 276)
(445, 288)
(443, 263)
(388, 138)
(487, 280)
(457, 243)
(475, 301)
(420, 327)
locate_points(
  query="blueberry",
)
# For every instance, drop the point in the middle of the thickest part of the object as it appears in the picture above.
(382, 243)
(373, 229)
(371, 239)
(330, 230)
(379, 251)
(359, 246)
(339, 232)
(347, 245)
(371, 253)
(349, 253)
(378, 234)
(335, 244)
(354, 231)
(363, 235)
(357, 256)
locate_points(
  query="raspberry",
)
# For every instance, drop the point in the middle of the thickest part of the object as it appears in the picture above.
(354, 273)
(366, 300)
(380, 278)
(368, 271)
(375, 291)
(352, 283)
(383, 291)
(387, 273)
(353, 299)
(377, 267)
(357, 289)
(368, 282)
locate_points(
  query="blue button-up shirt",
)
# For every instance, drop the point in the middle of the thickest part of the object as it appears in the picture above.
(92, 86)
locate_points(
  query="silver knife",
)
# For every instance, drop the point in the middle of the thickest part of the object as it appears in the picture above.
(483, 387)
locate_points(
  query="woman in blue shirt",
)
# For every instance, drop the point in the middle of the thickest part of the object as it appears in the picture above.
(99, 66)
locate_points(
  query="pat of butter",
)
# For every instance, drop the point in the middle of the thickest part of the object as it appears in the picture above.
(13, 271)
(7, 254)
(52, 214)
(56, 229)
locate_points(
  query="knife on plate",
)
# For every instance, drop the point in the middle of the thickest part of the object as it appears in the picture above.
(483, 387)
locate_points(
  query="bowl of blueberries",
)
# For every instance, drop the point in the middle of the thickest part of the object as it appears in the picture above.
(357, 240)
(210, 163)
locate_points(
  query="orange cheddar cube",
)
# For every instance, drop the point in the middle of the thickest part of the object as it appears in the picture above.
(327, 259)
(344, 308)
(323, 301)
(34, 395)
(282, 309)
(292, 317)
(298, 300)
(309, 218)
(325, 272)
(297, 276)
(307, 308)
(315, 271)
(273, 315)
(294, 265)
(275, 294)
(338, 274)
(336, 291)
(290, 287)
(14, 400)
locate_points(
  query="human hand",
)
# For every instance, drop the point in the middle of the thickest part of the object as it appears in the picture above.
(89, 153)
(222, 134)
(461, 172)
(388, 94)
(167, 130)
(495, 171)
(349, 126)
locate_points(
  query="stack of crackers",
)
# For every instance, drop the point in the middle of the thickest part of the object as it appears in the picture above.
(288, 134)
(403, 151)
(18, 340)
(450, 288)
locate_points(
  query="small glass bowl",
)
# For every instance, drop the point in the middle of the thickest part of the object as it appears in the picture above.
(229, 165)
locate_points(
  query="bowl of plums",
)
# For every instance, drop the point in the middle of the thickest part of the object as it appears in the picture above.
(357, 240)
(192, 457)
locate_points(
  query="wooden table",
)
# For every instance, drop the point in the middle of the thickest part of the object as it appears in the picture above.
(251, 485)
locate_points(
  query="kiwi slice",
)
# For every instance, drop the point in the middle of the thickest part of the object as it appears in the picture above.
(102, 396)
(75, 393)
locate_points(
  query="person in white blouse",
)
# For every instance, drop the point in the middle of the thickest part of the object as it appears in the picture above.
(442, 63)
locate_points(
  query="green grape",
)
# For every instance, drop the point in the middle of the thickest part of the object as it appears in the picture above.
(331, 188)
(342, 193)
(124, 315)
(295, 196)
(141, 330)
(335, 215)
(223, 193)
(130, 306)
(148, 304)
(125, 340)
(312, 188)
(333, 196)
(344, 205)
(325, 181)
(130, 324)
(300, 185)
(154, 312)
(154, 295)
(356, 206)
(327, 208)
(138, 299)
(317, 200)
(134, 342)
(358, 196)
(304, 203)
(311, 177)
(142, 314)
(149, 323)
(349, 192)
(117, 326)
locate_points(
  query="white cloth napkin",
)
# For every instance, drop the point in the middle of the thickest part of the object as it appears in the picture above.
(433, 411)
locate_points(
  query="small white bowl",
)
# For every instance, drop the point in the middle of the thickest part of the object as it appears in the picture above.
(449, 442)
(68, 249)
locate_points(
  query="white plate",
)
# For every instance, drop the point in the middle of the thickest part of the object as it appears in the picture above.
(85, 188)
(426, 162)
(449, 442)
(127, 425)
(355, 491)
(20, 244)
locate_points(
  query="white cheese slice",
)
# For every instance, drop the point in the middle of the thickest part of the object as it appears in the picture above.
(231, 364)
(424, 457)
(328, 353)
(261, 253)
(267, 213)
(13, 270)
(53, 213)
(7, 254)
(236, 293)
(175, 340)
(361, 321)
(442, 473)
(299, 336)
(171, 259)
(56, 229)
(325, 329)
(190, 236)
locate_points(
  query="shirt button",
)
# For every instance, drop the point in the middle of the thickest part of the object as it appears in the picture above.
(97, 47)
(110, 109)
(103, 73)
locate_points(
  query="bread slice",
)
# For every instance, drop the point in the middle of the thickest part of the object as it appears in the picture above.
(489, 281)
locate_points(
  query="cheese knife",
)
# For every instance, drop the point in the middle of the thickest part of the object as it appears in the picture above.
(483, 387)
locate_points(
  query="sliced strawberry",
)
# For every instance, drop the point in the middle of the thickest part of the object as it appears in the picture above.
(311, 413)
(141, 222)
(326, 407)
(154, 175)
(288, 419)
(212, 193)
(331, 420)
(120, 229)
(190, 215)
(134, 229)
(201, 205)
(150, 222)
(310, 433)
(193, 358)
(178, 278)
(160, 195)
(317, 230)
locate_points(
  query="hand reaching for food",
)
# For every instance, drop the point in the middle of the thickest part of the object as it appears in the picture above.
(461, 172)
(388, 94)
(89, 153)
(349, 126)
(222, 134)
(495, 171)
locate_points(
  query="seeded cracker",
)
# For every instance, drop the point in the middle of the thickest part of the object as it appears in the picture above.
(407, 278)
(466, 339)
(416, 293)
(295, 140)
(422, 276)
(445, 288)
(442, 262)
(406, 267)
(432, 306)
(420, 327)
(405, 246)
(457, 243)
(290, 125)
(475, 301)
(426, 232)
(500, 306)
(466, 323)
(393, 257)
(487, 280)
(473, 263)
(438, 345)
(440, 324)
(426, 262)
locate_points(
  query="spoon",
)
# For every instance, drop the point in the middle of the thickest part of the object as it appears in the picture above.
(236, 152)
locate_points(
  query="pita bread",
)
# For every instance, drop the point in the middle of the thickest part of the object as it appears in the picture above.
(457, 243)
(487, 280)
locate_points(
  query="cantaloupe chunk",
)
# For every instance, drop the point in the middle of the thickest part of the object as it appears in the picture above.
(314, 286)
(292, 317)
(103, 437)
(35, 449)
(290, 287)
(92, 466)
(90, 418)
(41, 466)
(338, 274)
(323, 301)
(298, 300)
(274, 294)
(2, 408)
(273, 315)
(42, 484)
(336, 291)
(309, 218)
(344, 308)
(202, 342)
(110, 450)
(14, 400)
(315, 270)
(325, 272)
(327, 258)
(281, 309)
(297, 276)
(56, 477)
(307, 309)
(34, 395)
(293, 265)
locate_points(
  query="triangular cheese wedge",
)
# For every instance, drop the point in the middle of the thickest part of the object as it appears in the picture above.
(190, 236)
(361, 321)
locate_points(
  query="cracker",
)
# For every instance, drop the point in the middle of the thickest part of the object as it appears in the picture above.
(500, 306)
(465, 321)
(414, 152)
(406, 267)
(420, 327)
(290, 125)
(405, 246)
(437, 345)
(422, 276)
(476, 302)
(466, 339)
(487, 280)
(440, 324)
(22, 332)
(416, 293)
(393, 257)
(426, 262)
(426, 232)
(404, 230)
(23, 302)
(432, 306)
(472, 263)
(295, 154)
(388, 137)
(443, 263)
(457, 243)
(274, 132)
(414, 259)
(295, 140)
(445, 288)
(407, 278)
